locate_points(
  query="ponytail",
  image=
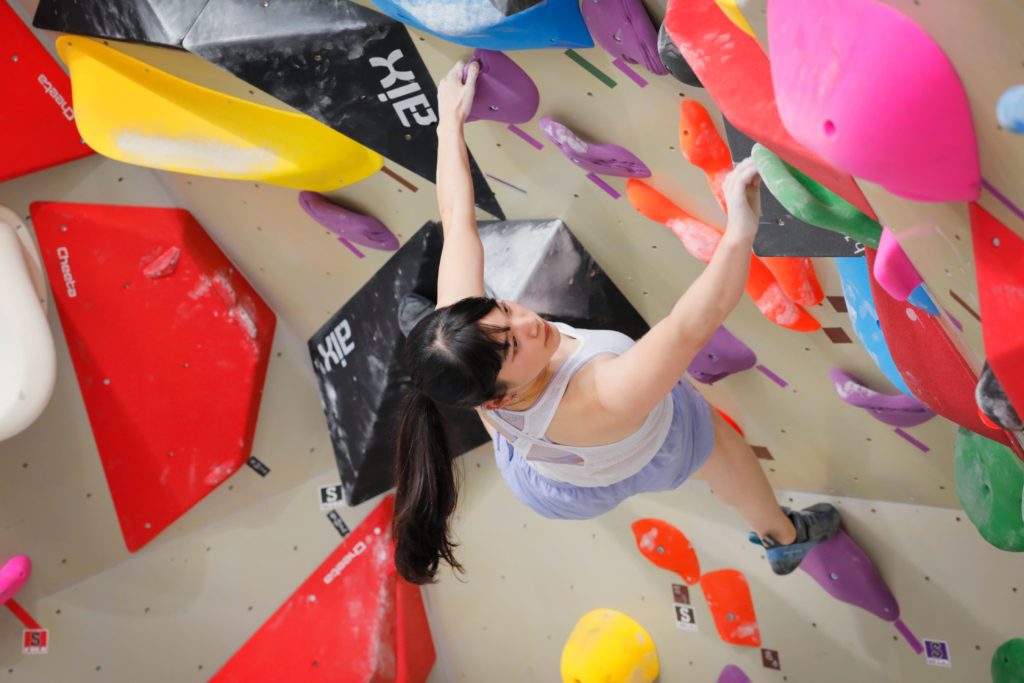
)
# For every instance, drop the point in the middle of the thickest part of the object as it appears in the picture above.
(426, 494)
(453, 359)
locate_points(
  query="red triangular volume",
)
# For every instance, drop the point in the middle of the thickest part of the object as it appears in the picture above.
(352, 621)
(999, 265)
(37, 123)
(929, 361)
(170, 345)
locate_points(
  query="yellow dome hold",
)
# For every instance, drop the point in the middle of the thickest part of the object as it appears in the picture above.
(607, 646)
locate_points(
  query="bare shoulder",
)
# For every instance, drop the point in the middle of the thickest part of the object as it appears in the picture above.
(581, 419)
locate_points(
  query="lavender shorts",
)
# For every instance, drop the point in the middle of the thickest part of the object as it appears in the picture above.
(688, 444)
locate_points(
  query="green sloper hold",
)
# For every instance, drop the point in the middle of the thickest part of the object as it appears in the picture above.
(812, 203)
(989, 484)
(1008, 662)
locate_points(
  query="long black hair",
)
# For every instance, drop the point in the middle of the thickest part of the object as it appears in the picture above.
(453, 359)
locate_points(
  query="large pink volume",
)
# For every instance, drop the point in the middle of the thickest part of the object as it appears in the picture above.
(867, 89)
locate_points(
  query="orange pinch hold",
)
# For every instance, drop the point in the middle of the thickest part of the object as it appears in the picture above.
(796, 276)
(667, 547)
(703, 147)
(701, 240)
(728, 597)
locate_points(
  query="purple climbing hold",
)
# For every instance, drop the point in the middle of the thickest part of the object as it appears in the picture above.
(625, 31)
(603, 159)
(724, 355)
(733, 674)
(898, 410)
(349, 227)
(504, 92)
(848, 574)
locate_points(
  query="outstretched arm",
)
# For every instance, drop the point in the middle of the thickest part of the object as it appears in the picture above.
(633, 383)
(461, 272)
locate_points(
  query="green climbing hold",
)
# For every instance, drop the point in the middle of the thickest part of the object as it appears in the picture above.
(1008, 662)
(990, 484)
(813, 203)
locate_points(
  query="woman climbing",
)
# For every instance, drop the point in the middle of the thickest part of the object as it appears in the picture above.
(581, 419)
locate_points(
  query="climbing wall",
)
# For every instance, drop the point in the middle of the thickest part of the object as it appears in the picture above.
(184, 605)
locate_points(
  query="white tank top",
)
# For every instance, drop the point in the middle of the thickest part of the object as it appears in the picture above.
(582, 465)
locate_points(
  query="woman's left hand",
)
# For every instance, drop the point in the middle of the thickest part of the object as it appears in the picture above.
(454, 97)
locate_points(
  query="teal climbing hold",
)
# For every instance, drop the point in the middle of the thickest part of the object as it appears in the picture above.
(1008, 662)
(990, 484)
(812, 203)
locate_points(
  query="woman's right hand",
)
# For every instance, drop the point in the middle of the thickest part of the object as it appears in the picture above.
(455, 98)
(742, 190)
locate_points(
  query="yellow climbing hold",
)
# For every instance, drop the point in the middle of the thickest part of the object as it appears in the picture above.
(607, 646)
(735, 15)
(133, 112)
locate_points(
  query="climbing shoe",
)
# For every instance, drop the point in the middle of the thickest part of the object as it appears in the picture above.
(814, 525)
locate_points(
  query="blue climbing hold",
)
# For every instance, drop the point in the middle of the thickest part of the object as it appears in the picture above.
(1010, 109)
(860, 305)
(479, 23)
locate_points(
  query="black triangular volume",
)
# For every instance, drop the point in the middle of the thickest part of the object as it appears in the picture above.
(780, 232)
(357, 353)
(350, 67)
(153, 22)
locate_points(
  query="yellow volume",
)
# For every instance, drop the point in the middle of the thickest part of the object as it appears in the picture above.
(133, 112)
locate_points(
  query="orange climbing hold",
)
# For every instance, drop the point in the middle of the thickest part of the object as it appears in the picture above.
(667, 547)
(703, 147)
(701, 240)
(731, 422)
(732, 607)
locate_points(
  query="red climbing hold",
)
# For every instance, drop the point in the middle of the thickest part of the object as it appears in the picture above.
(147, 350)
(667, 547)
(37, 122)
(731, 605)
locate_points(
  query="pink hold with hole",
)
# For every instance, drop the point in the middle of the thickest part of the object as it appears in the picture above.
(13, 576)
(893, 269)
(866, 88)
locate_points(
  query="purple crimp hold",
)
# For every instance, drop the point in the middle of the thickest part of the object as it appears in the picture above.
(724, 355)
(603, 159)
(504, 92)
(625, 31)
(899, 410)
(348, 226)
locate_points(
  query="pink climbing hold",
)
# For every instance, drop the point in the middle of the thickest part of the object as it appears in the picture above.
(347, 225)
(604, 159)
(898, 410)
(504, 92)
(866, 88)
(13, 576)
(893, 270)
(625, 31)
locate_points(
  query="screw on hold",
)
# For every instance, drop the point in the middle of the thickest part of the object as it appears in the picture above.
(995, 241)
(14, 58)
(833, 576)
(730, 616)
(106, 380)
(661, 550)
(63, 228)
(493, 107)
